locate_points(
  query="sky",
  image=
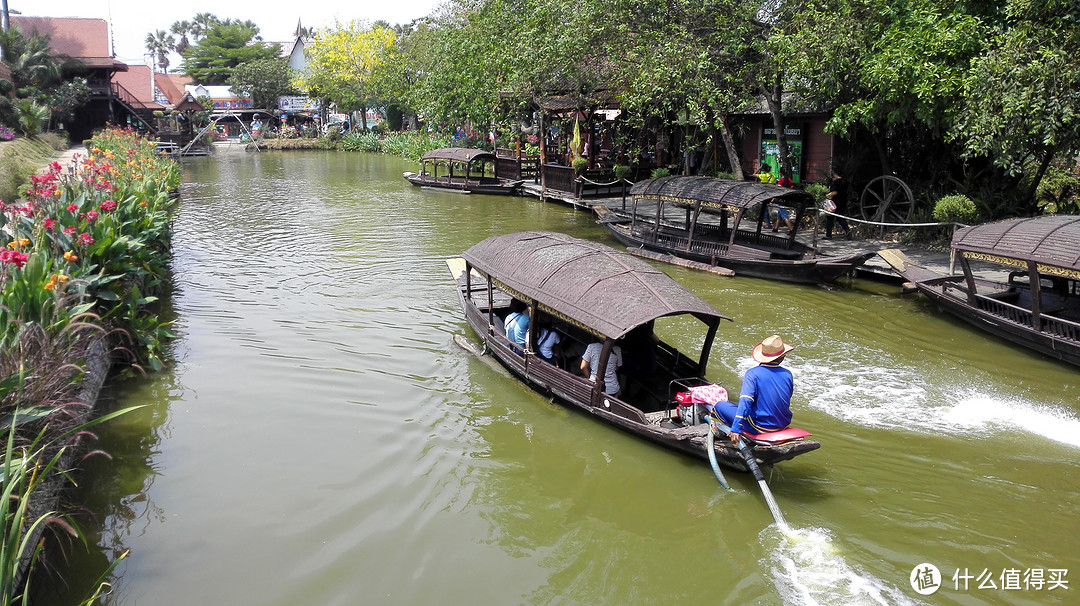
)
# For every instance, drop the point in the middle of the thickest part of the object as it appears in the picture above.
(131, 20)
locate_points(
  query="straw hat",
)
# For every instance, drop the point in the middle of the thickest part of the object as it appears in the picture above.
(770, 349)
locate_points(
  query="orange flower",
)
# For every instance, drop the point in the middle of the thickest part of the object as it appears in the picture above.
(55, 280)
(70, 256)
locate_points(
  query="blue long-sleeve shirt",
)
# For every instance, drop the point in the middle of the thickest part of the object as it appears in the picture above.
(764, 400)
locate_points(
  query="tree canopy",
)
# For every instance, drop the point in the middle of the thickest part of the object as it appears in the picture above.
(221, 47)
(348, 65)
(264, 79)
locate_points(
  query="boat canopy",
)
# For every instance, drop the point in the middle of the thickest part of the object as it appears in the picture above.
(1048, 240)
(458, 154)
(604, 290)
(716, 193)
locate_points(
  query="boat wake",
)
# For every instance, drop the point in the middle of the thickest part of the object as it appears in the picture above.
(807, 570)
(875, 396)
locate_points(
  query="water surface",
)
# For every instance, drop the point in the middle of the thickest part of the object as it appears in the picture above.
(320, 438)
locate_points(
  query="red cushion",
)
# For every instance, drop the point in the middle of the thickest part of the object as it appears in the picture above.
(779, 437)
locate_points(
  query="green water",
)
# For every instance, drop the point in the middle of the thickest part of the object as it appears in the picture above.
(320, 438)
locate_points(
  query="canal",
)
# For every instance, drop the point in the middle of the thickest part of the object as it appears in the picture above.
(320, 439)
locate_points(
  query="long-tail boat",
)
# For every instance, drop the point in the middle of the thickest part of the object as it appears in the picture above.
(461, 169)
(591, 293)
(709, 220)
(1035, 303)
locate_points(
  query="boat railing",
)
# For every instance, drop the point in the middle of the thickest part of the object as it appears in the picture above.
(1061, 328)
(1053, 325)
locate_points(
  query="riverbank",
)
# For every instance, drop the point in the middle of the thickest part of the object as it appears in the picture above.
(85, 251)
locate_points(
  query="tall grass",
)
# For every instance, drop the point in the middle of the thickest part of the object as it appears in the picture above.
(411, 144)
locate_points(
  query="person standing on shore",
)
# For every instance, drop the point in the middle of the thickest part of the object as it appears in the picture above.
(838, 193)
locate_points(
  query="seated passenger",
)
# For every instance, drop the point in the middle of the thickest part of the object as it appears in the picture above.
(590, 361)
(547, 342)
(517, 325)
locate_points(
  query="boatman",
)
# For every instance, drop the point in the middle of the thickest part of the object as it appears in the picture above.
(765, 397)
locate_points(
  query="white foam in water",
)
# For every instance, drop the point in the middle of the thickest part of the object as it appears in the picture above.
(984, 413)
(876, 396)
(807, 570)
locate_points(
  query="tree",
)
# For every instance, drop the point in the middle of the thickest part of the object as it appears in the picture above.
(181, 29)
(264, 79)
(347, 64)
(1021, 107)
(31, 59)
(225, 45)
(160, 43)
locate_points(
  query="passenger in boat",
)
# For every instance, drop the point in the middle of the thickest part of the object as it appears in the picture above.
(517, 325)
(765, 398)
(639, 351)
(766, 176)
(547, 342)
(838, 193)
(590, 361)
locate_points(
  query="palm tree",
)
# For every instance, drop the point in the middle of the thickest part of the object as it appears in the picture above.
(181, 29)
(31, 60)
(201, 23)
(159, 44)
(32, 117)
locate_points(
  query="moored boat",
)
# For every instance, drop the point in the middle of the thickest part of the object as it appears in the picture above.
(1036, 302)
(708, 220)
(590, 293)
(461, 169)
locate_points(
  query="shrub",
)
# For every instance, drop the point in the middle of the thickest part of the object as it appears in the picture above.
(660, 172)
(1059, 191)
(15, 172)
(818, 190)
(622, 171)
(955, 209)
(55, 141)
(579, 164)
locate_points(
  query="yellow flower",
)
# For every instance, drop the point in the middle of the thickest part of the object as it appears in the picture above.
(17, 244)
(70, 256)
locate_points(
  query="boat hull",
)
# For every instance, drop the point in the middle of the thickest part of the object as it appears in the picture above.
(816, 270)
(1008, 322)
(473, 186)
(576, 392)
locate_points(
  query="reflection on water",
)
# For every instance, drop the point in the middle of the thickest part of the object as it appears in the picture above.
(322, 440)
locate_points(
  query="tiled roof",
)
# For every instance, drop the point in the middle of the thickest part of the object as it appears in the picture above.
(72, 36)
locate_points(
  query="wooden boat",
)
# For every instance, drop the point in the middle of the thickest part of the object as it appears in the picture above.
(705, 220)
(461, 169)
(1036, 304)
(593, 293)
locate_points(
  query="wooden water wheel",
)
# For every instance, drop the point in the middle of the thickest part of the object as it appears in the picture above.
(887, 199)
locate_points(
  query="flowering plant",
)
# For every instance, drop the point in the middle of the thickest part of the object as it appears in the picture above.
(6, 134)
(91, 237)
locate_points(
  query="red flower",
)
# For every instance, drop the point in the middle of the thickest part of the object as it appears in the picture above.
(13, 257)
(50, 223)
(86, 238)
(72, 208)
(91, 216)
(69, 230)
(108, 206)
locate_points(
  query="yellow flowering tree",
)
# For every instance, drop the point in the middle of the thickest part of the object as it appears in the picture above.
(347, 64)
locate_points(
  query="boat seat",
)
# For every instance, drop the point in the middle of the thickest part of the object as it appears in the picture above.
(778, 437)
